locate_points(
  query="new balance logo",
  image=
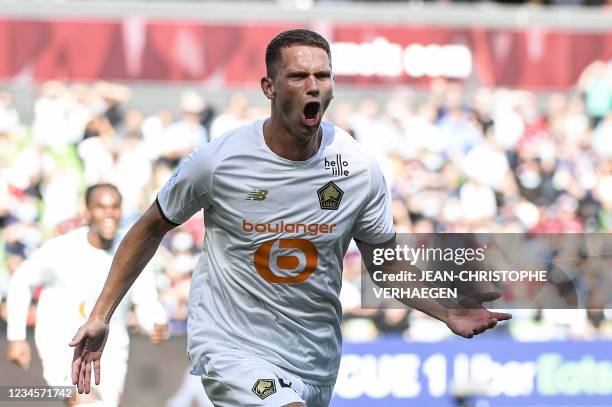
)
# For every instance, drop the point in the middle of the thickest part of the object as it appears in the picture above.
(257, 195)
(337, 166)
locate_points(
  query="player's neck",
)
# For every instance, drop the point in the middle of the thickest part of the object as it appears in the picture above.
(98, 241)
(287, 145)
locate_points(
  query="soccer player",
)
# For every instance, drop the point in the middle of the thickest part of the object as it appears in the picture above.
(282, 198)
(72, 269)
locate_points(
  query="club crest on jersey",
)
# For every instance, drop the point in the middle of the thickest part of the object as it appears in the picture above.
(330, 196)
(257, 195)
(264, 388)
(337, 165)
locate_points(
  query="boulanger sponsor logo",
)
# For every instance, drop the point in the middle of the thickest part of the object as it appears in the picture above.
(264, 388)
(313, 229)
(330, 196)
(257, 195)
(338, 166)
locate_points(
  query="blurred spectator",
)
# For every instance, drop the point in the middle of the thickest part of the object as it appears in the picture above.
(340, 115)
(596, 84)
(477, 202)
(179, 263)
(131, 173)
(602, 136)
(235, 115)
(9, 117)
(98, 149)
(182, 136)
(110, 100)
(153, 130)
(487, 163)
(50, 127)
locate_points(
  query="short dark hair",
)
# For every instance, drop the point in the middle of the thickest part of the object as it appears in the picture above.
(288, 38)
(90, 191)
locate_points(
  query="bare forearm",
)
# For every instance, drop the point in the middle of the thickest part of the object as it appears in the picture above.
(429, 307)
(136, 249)
(19, 297)
(432, 307)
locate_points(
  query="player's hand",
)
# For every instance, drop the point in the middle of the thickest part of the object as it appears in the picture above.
(88, 344)
(19, 353)
(473, 319)
(159, 334)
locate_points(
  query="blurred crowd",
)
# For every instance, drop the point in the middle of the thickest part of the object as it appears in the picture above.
(456, 161)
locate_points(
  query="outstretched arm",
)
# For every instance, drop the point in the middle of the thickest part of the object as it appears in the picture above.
(33, 272)
(134, 252)
(466, 319)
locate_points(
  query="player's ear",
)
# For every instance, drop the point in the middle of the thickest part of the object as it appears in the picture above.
(267, 86)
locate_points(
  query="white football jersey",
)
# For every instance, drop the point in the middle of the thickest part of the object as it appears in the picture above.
(269, 276)
(73, 273)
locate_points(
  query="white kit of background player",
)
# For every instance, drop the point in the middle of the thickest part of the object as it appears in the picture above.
(72, 272)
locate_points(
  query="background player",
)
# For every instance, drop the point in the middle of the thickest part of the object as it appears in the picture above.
(72, 269)
(260, 333)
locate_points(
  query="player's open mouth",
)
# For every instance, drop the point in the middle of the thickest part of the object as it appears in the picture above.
(311, 113)
(108, 225)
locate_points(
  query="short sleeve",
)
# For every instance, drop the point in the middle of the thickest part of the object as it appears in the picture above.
(374, 224)
(188, 190)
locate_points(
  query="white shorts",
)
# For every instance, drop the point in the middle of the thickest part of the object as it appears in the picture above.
(235, 378)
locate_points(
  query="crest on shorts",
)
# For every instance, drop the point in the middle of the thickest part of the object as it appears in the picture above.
(330, 196)
(264, 388)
